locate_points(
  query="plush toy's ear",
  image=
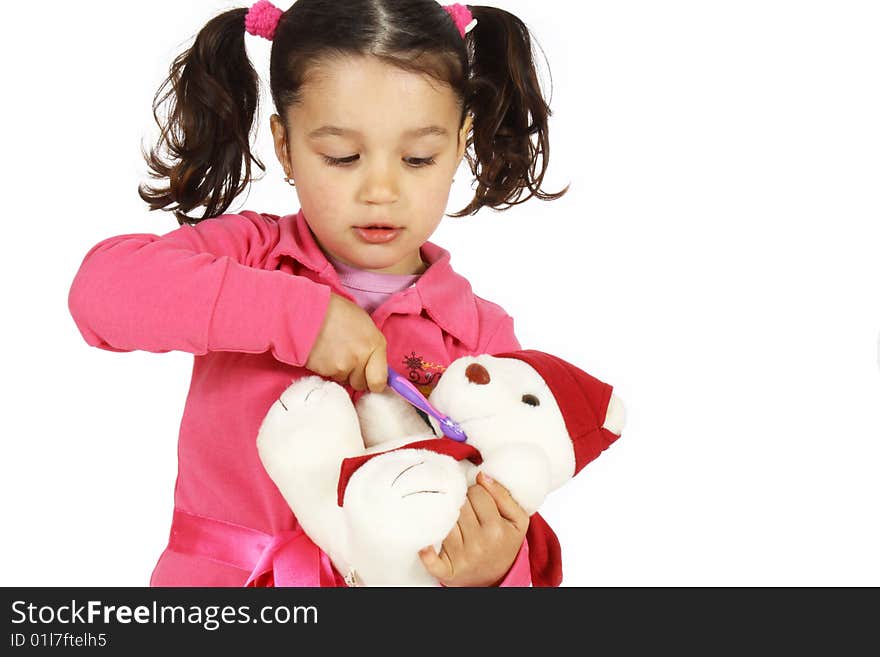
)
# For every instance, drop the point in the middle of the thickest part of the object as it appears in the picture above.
(545, 554)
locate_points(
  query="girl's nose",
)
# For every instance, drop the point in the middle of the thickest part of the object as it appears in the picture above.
(476, 373)
(380, 187)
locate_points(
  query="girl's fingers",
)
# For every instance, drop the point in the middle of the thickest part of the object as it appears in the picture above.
(507, 506)
(376, 371)
(467, 518)
(483, 504)
(357, 380)
(341, 377)
(439, 566)
(454, 539)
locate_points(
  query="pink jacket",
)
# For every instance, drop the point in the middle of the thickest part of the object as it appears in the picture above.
(246, 294)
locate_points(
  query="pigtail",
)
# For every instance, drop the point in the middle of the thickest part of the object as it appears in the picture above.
(508, 107)
(213, 91)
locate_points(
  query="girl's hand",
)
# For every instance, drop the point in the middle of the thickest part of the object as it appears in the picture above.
(349, 348)
(483, 545)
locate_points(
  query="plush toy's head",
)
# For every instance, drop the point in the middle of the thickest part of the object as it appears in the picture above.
(534, 399)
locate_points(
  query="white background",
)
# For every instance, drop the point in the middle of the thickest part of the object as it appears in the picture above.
(715, 260)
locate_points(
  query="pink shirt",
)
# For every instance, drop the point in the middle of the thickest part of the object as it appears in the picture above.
(369, 289)
(246, 294)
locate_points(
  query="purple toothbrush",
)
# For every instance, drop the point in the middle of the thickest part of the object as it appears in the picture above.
(410, 393)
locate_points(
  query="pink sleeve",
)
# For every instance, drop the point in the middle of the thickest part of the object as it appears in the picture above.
(196, 289)
(502, 339)
(520, 573)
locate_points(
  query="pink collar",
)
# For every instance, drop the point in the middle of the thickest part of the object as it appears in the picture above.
(446, 296)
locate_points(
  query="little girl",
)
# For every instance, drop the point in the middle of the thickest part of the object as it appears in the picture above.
(377, 103)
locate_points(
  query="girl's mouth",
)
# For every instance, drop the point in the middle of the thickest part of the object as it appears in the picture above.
(378, 234)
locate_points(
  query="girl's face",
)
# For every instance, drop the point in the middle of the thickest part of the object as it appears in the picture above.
(372, 145)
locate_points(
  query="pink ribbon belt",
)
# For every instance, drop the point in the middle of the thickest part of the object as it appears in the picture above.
(289, 558)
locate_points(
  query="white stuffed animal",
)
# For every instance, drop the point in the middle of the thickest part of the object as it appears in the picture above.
(532, 422)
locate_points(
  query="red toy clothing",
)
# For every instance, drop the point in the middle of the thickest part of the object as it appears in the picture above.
(246, 294)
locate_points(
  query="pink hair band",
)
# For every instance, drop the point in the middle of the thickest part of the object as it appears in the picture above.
(262, 19)
(462, 16)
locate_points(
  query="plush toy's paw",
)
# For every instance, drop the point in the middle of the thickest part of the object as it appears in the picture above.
(311, 391)
(404, 499)
(615, 417)
(311, 410)
(386, 416)
(303, 399)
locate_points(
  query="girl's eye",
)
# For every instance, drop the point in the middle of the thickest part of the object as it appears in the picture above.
(531, 400)
(339, 161)
(420, 161)
(414, 162)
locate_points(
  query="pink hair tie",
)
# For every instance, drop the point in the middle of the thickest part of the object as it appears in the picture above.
(462, 16)
(262, 19)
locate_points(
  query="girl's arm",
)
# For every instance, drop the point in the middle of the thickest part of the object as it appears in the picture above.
(196, 289)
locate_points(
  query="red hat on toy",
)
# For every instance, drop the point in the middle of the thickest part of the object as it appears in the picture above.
(583, 400)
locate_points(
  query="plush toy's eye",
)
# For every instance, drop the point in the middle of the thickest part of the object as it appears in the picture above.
(531, 400)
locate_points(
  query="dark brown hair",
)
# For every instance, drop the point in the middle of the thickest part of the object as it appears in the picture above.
(213, 92)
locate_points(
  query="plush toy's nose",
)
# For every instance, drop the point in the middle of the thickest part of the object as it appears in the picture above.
(476, 373)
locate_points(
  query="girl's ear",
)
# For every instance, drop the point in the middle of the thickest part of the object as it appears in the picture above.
(462, 135)
(279, 137)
